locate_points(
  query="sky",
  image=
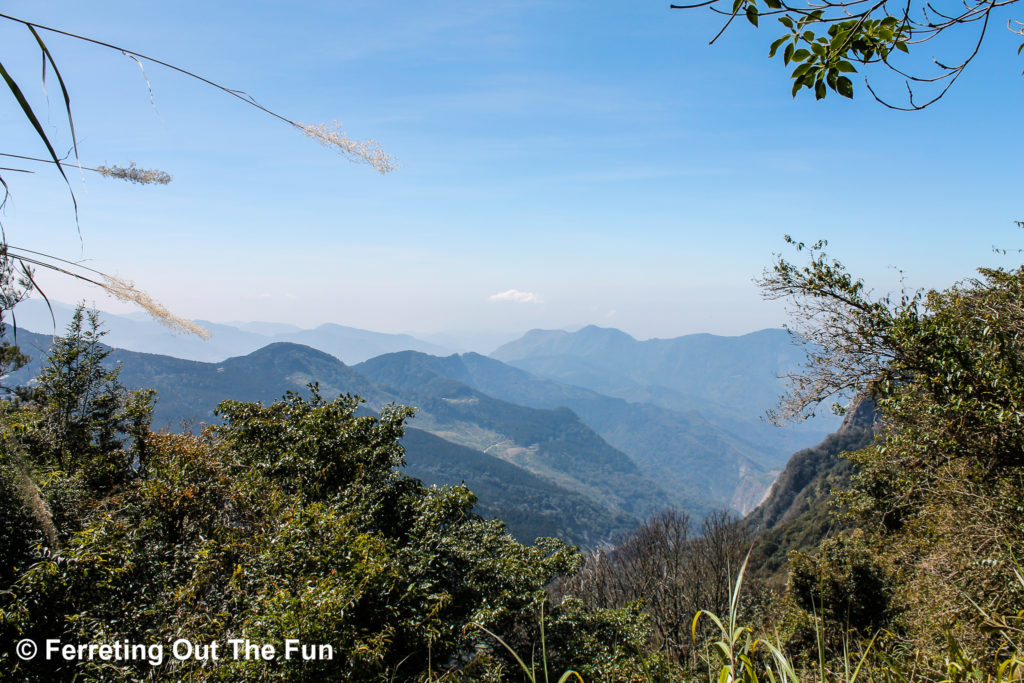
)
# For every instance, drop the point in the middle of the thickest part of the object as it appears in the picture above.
(560, 163)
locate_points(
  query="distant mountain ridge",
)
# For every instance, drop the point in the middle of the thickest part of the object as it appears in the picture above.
(655, 429)
(737, 374)
(141, 334)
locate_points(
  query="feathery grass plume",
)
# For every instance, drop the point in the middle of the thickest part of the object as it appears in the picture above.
(122, 289)
(367, 151)
(133, 174)
(125, 291)
(142, 176)
(33, 499)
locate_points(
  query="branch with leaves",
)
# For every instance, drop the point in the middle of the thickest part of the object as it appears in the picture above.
(847, 332)
(826, 40)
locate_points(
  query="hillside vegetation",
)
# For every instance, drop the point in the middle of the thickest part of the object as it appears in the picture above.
(904, 530)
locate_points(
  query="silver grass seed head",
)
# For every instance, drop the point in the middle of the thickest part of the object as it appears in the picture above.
(365, 151)
(125, 290)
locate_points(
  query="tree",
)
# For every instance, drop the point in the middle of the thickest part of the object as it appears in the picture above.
(827, 41)
(669, 570)
(84, 410)
(14, 287)
(939, 496)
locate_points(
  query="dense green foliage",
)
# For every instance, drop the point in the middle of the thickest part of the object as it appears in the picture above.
(916, 575)
(929, 570)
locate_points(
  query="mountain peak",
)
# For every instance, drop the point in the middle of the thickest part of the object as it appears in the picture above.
(611, 333)
(282, 349)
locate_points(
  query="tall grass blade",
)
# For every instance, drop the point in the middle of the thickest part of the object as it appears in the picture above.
(26, 108)
(863, 658)
(529, 674)
(47, 57)
(543, 645)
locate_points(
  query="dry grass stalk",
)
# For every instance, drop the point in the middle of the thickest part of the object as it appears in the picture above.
(32, 497)
(133, 174)
(125, 290)
(366, 151)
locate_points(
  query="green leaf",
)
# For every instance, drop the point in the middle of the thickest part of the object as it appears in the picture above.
(844, 87)
(802, 69)
(819, 90)
(752, 14)
(801, 55)
(723, 649)
(787, 55)
(773, 4)
(775, 45)
(902, 47)
(787, 22)
(846, 68)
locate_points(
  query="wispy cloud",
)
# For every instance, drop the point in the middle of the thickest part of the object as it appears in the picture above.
(516, 296)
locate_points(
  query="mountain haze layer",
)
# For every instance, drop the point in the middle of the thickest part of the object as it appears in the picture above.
(142, 334)
(730, 381)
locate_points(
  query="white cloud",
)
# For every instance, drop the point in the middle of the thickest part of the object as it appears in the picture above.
(516, 296)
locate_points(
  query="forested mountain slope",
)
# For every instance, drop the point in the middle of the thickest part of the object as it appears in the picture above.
(795, 515)
(702, 467)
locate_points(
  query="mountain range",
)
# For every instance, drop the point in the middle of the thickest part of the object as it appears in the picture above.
(550, 476)
(578, 435)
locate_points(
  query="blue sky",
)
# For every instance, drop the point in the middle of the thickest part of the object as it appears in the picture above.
(599, 158)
